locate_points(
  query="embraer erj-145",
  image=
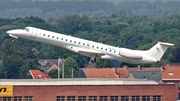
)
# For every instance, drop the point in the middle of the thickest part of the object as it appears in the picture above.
(92, 49)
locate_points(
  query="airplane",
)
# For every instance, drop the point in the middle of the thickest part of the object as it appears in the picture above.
(92, 49)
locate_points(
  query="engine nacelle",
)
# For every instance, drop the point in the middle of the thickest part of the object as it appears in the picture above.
(127, 53)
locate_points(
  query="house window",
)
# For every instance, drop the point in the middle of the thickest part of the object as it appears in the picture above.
(6, 98)
(145, 98)
(135, 98)
(154, 73)
(52, 36)
(114, 98)
(71, 98)
(48, 35)
(92, 98)
(156, 98)
(124, 98)
(28, 98)
(60, 98)
(57, 37)
(70, 40)
(79, 42)
(61, 38)
(103, 98)
(83, 43)
(170, 73)
(18, 98)
(81, 98)
(66, 39)
(74, 41)
(44, 34)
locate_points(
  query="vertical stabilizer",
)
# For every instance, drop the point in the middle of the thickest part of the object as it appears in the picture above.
(158, 50)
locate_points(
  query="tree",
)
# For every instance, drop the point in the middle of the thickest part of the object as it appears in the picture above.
(53, 73)
(104, 63)
(70, 65)
(15, 60)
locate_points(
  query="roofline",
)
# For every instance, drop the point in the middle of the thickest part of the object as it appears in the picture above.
(84, 72)
(31, 74)
(75, 82)
(171, 79)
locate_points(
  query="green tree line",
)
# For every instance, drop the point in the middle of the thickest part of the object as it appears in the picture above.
(94, 8)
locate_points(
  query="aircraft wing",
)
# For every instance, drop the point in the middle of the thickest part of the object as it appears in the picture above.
(86, 51)
(90, 52)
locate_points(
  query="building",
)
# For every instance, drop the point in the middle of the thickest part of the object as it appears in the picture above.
(36, 74)
(150, 75)
(46, 64)
(85, 90)
(97, 73)
(171, 75)
(138, 73)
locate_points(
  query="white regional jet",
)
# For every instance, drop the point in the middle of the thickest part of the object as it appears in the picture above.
(92, 49)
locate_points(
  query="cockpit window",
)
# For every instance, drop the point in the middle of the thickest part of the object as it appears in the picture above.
(26, 29)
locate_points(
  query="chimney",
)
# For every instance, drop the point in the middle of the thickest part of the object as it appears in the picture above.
(139, 67)
(162, 68)
(45, 62)
(115, 70)
(125, 66)
(39, 76)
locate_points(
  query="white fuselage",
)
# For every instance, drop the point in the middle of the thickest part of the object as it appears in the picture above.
(82, 46)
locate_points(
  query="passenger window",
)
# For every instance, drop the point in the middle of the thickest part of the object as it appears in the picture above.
(48, 35)
(57, 37)
(52, 36)
(61, 38)
(66, 39)
(44, 34)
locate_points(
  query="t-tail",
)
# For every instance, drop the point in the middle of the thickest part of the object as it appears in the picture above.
(158, 50)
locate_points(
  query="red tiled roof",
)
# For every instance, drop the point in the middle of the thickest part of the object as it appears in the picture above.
(36, 73)
(171, 72)
(100, 73)
(122, 72)
(144, 69)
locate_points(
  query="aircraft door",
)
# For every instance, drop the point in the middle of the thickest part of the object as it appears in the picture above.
(34, 33)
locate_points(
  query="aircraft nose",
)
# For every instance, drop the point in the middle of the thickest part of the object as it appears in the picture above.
(14, 32)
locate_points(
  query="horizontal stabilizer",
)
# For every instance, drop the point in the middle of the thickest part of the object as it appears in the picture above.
(166, 44)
